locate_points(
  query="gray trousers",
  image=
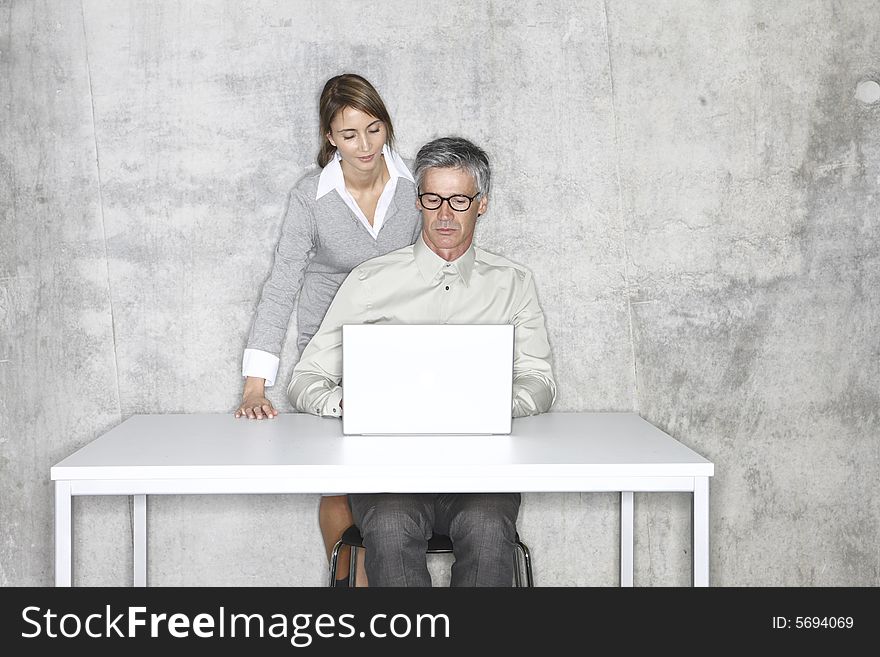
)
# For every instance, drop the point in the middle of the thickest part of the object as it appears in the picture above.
(396, 528)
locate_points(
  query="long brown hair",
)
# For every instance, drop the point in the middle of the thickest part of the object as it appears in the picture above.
(349, 90)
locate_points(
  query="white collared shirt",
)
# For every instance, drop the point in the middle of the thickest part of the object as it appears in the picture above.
(332, 179)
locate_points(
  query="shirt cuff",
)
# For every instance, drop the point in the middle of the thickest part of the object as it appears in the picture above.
(532, 395)
(260, 364)
(333, 403)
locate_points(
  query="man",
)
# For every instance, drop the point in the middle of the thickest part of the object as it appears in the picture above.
(441, 279)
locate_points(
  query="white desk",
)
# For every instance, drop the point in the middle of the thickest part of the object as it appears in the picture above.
(216, 453)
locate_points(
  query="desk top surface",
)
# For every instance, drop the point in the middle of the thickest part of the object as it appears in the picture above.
(218, 445)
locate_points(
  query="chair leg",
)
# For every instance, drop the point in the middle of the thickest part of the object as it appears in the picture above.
(334, 557)
(517, 568)
(352, 566)
(527, 559)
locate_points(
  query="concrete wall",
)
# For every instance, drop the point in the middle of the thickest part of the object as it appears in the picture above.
(694, 185)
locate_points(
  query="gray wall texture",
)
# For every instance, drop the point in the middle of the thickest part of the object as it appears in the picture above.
(694, 185)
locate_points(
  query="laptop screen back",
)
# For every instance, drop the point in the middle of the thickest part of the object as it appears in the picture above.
(427, 379)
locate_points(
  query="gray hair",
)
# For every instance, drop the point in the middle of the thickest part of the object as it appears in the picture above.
(454, 153)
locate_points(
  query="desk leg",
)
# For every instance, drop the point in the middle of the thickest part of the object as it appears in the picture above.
(701, 531)
(63, 534)
(139, 540)
(626, 538)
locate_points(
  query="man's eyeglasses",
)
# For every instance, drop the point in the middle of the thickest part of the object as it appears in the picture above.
(458, 202)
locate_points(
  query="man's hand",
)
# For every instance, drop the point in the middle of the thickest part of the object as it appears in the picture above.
(254, 404)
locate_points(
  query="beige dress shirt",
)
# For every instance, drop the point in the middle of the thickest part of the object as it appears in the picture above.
(414, 285)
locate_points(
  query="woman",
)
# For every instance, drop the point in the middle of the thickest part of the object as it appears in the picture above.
(361, 204)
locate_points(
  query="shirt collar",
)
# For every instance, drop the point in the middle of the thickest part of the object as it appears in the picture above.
(430, 264)
(332, 178)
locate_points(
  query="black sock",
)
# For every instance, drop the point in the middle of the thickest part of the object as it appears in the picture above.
(341, 582)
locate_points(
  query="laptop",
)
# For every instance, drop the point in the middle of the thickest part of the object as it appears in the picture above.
(427, 378)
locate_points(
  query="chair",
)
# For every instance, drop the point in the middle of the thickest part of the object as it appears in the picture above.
(437, 544)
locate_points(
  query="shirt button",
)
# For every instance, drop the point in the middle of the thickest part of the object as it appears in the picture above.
(447, 287)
